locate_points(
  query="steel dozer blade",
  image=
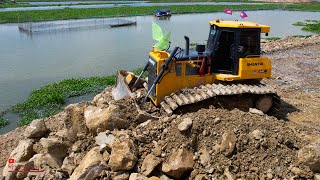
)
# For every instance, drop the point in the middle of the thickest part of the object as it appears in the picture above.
(124, 87)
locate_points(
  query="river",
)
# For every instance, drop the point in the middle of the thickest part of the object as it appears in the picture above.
(28, 62)
(72, 5)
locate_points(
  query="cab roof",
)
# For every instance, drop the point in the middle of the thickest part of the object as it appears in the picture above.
(240, 24)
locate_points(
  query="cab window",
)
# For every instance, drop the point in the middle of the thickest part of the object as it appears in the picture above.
(192, 69)
(249, 42)
(178, 69)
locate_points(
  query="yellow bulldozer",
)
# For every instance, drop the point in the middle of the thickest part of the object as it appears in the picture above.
(230, 64)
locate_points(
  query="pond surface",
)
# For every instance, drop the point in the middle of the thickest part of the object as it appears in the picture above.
(135, 4)
(28, 62)
(82, 2)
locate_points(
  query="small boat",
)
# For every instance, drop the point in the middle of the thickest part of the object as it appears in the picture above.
(124, 24)
(162, 13)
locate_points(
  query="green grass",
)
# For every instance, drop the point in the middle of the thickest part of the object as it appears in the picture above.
(309, 25)
(3, 122)
(272, 38)
(25, 4)
(50, 99)
(299, 24)
(173, 1)
(301, 36)
(47, 15)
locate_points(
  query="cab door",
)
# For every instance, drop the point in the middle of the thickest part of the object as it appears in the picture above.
(225, 54)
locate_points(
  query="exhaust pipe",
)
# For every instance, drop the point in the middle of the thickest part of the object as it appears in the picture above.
(187, 45)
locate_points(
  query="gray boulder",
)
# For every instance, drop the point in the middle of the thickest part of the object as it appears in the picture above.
(36, 129)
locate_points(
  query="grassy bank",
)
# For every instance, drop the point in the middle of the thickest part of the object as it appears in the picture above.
(51, 98)
(3, 122)
(309, 25)
(11, 17)
(25, 4)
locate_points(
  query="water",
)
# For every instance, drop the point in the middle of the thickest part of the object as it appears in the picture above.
(82, 2)
(135, 4)
(28, 62)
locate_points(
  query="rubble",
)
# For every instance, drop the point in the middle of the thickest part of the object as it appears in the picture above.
(310, 155)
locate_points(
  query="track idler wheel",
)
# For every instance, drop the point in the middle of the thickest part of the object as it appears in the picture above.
(264, 103)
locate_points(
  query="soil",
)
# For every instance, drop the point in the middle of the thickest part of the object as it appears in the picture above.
(296, 78)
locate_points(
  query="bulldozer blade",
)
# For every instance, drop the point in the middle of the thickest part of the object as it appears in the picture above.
(121, 89)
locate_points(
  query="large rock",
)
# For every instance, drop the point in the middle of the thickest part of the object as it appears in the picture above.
(228, 143)
(121, 176)
(51, 161)
(103, 98)
(104, 118)
(137, 176)
(149, 163)
(185, 124)
(90, 167)
(23, 152)
(41, 160)
(36, 129)
(123, 155)
(37, 159)
(76, 121)
(54, 147)
(310, 156)
(178, 163)
(68, 165)
(105, 140)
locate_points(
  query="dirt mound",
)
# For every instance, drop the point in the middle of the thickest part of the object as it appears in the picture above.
(273, 151)
(107, 139)
(288, 42)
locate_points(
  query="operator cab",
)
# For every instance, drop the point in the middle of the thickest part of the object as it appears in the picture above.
(230, 40)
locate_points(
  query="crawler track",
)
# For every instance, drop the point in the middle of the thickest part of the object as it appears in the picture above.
(204, 92)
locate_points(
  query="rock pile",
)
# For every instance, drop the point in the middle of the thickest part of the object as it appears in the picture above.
(289, 42)
(103, 139)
